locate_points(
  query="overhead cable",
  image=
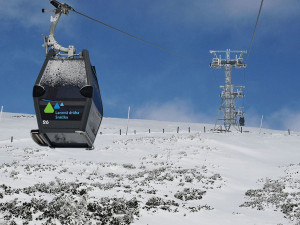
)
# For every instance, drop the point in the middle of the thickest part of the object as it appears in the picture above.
(250, 46)
(137, 38)
(261, 4)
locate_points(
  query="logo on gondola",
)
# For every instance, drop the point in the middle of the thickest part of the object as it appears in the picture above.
(49, 108)
(56, 110)
(56, 106)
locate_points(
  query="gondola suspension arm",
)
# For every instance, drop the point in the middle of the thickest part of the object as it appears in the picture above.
(49, 41)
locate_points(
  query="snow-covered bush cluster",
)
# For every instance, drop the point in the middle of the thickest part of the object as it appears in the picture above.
(71, 204)
(157, 202)
(151, 185)
(282, 193)
(189, 194)
(149, 178)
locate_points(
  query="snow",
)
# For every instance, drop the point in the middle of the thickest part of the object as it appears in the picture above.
(175, 178)
(64, 72)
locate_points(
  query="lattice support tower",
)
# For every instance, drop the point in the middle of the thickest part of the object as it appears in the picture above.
(229, 92)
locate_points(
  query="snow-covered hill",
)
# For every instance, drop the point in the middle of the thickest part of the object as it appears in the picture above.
(150, 178)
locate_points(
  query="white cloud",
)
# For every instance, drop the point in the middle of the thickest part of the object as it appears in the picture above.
(223, 14)
(177, 110)
(206, 14)
(282, 119)
(28, 13)
(285, 119)
(252, 118)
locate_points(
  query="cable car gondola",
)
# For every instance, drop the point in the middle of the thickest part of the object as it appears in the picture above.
(66, 95)
(242, 121)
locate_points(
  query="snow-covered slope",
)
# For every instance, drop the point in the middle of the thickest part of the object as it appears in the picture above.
(150, 178)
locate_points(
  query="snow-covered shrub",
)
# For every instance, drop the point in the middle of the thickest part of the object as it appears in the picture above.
(273, 194)
(155, 202)
(129, 166)
(189, 194)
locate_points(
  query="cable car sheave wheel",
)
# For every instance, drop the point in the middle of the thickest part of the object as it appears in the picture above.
(66, 96)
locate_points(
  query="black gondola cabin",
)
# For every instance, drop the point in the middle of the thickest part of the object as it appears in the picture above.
(67, 102)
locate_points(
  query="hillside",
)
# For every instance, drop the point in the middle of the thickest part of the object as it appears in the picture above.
(150, 178)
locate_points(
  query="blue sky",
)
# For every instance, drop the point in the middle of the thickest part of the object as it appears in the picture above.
(156, 84)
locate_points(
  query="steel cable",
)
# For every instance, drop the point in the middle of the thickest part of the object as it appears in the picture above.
(251, 43)
(261, 4)
(137, 38)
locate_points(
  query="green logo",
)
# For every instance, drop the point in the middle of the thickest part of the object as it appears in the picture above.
(49, 108)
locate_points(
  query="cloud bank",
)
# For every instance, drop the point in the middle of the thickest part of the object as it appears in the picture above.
(179, 110)
(176, 110)
(220, 13)
(282, 119)
(27, 13)
(285, 119)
